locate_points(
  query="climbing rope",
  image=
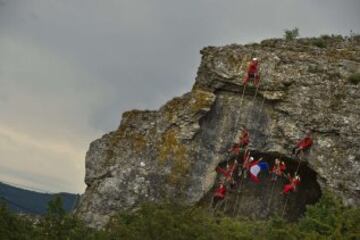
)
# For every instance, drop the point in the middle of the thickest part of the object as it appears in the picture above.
(242, 178)
(239, 186)
(236, 208)
(218, 205)
(240, 107)
(226, 203)
(242, 96)
(272, 188)
(211, 202)
(272, 191)
(260, 111)
(286, 201)
(300, 159)
(236, 204)
(253, 102)
(254, 98)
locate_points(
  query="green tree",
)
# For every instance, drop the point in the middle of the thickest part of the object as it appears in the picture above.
(291, 34)
(14, 227)
(329, 219)
(59, 225)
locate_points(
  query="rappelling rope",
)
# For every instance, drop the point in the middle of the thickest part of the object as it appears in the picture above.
(239, 186)
(211, 202)
(236, 204)
(218, 205)
(261, 108)
(226, 202)
(240, 107)
(271, 192)
(272, 188)
(236, 208)
(262, 104)
(286, 201)
(253, 101)
(300, 159)
(242, 96)
(243, 173)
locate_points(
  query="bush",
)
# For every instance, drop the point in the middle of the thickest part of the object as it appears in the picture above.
(13, 227)
(327, 219)
(325, 37)
(291, 34)
(354, 78)
(165, 221)
(319, 42)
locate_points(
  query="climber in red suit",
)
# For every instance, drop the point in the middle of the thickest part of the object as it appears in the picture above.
(253, 72)
(291, 186)
(219, 193)
(303, 144)
(228, 173)
(277, 170)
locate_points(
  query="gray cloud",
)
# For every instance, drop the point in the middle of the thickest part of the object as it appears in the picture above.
(68, 69)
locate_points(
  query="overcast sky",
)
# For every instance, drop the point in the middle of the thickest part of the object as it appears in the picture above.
(69, 68)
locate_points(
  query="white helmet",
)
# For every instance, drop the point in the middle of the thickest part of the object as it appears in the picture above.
(251, 159)
(255, 59)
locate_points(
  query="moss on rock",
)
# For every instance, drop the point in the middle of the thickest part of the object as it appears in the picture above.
(172, 150)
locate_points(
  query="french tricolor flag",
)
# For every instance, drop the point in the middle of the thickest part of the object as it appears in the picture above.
(255, 168)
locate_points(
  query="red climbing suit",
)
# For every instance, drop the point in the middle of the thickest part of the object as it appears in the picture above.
(228, 173)
(220, 191)
(290, 187)
(279, 169)
(252, 72)
(305, 143)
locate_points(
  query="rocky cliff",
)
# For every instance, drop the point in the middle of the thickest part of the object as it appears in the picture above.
(172, 153)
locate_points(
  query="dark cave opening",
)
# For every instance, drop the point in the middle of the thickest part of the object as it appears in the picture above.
(263, 200)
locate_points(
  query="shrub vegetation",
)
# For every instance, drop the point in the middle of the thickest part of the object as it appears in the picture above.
(327, 219)
(291, 34)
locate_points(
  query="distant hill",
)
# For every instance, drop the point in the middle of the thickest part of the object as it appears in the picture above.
(30, 202)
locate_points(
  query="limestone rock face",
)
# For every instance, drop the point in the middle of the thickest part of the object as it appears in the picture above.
(172, 153)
